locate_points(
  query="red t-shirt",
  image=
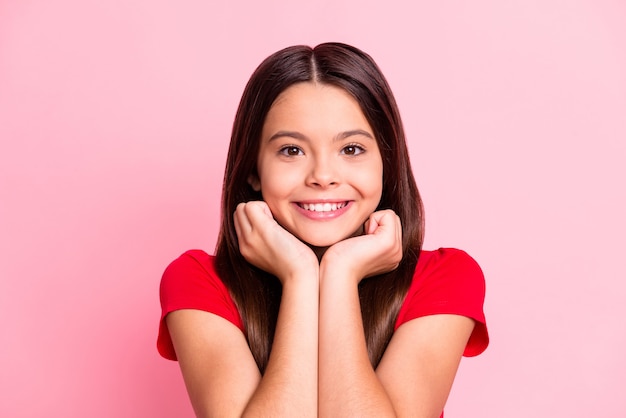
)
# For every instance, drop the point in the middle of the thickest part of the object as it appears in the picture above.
(446, 281)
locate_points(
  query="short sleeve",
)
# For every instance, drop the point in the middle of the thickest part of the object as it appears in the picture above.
(448, 281)
(190, 282)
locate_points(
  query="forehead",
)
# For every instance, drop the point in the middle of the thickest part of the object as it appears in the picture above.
(312, 104)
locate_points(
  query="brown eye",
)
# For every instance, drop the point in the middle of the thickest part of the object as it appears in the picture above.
(352, 150)
(291, 151)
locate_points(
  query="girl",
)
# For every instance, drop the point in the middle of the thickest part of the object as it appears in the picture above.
(319, 300)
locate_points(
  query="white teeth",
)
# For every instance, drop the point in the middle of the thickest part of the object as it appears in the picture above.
(322, 207)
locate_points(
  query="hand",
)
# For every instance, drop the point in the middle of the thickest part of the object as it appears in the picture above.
(378, 251)
(267, 245)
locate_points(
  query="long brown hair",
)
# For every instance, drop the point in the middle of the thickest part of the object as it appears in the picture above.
(257, 293)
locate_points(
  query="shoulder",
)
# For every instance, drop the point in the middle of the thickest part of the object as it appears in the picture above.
(191, 282)
(193, 270)
(448, 267)
(445, 258)
(448, 281)
(190, 260)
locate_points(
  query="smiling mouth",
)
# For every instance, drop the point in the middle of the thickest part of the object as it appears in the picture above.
(322, 207)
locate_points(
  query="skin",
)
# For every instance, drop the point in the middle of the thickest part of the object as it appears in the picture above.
(317, 148)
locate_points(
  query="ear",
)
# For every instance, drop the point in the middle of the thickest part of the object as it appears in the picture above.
(254, 182)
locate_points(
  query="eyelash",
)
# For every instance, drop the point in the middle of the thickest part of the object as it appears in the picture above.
(285, 150)
(358, 150)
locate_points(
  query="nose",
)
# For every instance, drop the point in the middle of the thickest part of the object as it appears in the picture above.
(323, 173)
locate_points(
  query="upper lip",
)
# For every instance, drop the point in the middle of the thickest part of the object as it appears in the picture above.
(323, 205)
(322, 201)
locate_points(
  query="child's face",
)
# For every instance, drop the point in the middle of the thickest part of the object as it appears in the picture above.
(320, 169)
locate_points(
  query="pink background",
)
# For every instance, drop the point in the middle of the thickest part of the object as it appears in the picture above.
(114, 123)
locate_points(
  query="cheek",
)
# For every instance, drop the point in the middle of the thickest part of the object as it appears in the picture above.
(374, 180)
(275, 187)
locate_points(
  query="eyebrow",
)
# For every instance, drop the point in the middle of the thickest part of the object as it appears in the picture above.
(300, 136)
(289, 134)
(354, 132)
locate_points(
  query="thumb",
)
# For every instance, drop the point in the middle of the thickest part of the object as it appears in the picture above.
(267, 211)
(372, 224)
(381, 221)
(261, 208)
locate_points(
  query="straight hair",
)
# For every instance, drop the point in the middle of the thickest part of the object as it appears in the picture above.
(257, 293)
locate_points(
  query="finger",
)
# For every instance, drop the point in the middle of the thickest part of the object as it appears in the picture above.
(241, 221)
(258, 213)
(381, 221)
(366, 226)
(399, 227)
(371, 225)
(267, 211)
(388, 224)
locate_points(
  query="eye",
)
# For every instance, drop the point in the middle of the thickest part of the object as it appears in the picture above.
(291, 151)
(352, 149)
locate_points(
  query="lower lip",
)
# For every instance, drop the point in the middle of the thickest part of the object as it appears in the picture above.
(323, 216)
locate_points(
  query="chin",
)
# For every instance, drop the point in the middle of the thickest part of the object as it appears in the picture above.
(324, 242)
(327, 240)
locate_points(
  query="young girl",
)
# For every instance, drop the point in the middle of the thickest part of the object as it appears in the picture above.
(319, 300)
